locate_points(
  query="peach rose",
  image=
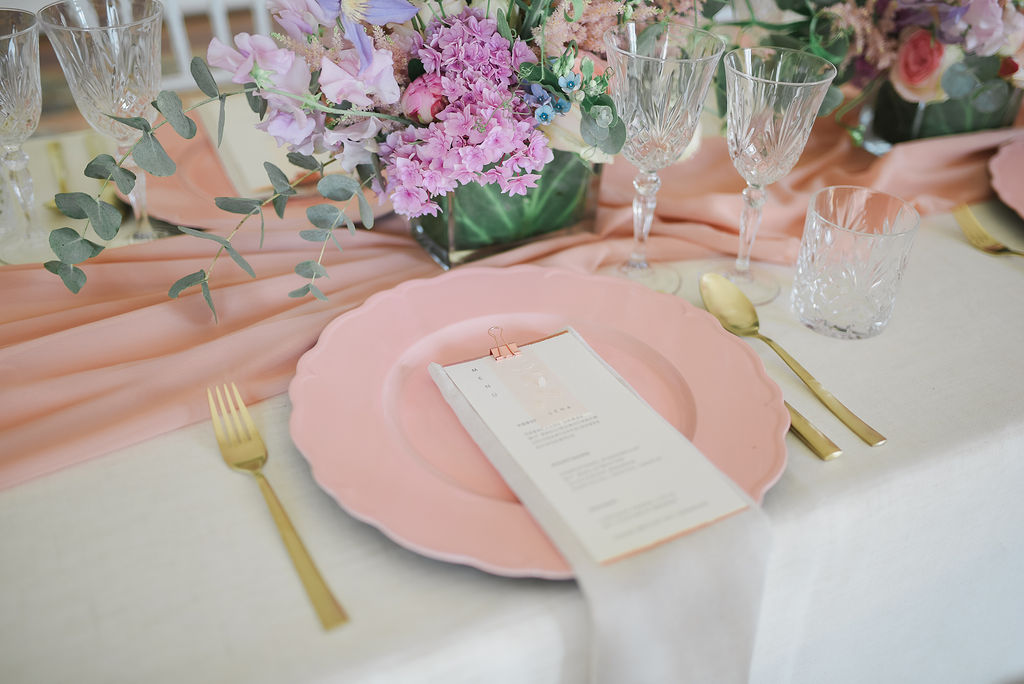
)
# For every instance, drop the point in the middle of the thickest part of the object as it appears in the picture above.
(920, 63)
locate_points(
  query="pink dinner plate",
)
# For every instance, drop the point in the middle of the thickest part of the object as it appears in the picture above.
(1007, 169)
(383, 442)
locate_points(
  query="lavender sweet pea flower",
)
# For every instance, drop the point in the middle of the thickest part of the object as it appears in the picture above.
(924, 14)
(298, 18)
(377, 12)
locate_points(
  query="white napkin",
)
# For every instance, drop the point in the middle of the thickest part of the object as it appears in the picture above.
(683, 611)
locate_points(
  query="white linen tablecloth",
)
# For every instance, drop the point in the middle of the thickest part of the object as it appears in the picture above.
(903, 563)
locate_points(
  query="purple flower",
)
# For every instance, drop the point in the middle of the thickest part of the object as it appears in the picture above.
(253, 52)
(344, 80)
(352, 13)
(943, 17)
(985, 31)
(298, 18)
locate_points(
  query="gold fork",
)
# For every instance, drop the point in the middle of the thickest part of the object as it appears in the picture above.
(976, 233)
(243, 450)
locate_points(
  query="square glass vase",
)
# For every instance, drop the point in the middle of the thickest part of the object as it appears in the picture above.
(476, 220)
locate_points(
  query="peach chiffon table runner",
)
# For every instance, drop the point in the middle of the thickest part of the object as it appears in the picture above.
(119, 362)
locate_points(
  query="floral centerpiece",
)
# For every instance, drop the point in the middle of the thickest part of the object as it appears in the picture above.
(488, 116)
(921, 68)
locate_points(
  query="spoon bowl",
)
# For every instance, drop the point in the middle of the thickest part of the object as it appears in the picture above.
(726, 302)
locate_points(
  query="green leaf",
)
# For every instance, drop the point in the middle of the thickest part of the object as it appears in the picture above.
(326, 216)
(223, 242)
(205, 285)
(315, 234)
(587, 68)
(528, 71)
(220, 120)
(992, 97)
(311, 269)
(103, 167)
(503, 28)
(277, 179)
(300, 292)
(416, 68)
(149, 154)
(183, 283)
(315, 291)
(106, 221)
(959, 81)
(76, 205)
(72, 248)
(169, 104)
(338, 188)
(365, 211)
(73, 277)
(833, 98)
(256, 103)
(203, 78)
(237, 205)
(616, 138)
(280, 202)
(134, 121)
(304, 161)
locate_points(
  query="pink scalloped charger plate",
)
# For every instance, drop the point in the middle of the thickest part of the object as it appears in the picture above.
(1007, 169)
(383, 442)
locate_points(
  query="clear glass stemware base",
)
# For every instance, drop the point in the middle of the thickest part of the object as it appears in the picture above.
(758, 285)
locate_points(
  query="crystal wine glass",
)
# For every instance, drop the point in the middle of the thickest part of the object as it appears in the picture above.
(109, 51)
(660, 78)
(20, 107)
(773, 96)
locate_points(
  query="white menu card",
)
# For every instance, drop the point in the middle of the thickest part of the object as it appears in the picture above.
(619, 475)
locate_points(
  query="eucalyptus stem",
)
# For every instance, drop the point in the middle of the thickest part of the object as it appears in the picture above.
(320, 107)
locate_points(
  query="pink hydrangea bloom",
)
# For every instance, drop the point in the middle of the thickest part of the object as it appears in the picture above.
(485, 134)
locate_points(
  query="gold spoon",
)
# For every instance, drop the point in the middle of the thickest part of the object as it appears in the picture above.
(977, 235)
(730, 306)
(816, 440)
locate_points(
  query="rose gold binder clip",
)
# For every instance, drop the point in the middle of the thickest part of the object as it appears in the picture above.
(503, 350)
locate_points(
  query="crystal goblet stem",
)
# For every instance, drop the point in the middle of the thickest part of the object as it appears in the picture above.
(20, 107)
(647, 185)
(754, 197)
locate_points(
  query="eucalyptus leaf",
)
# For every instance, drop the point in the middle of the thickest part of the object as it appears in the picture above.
(185, 282)
(256, 103)
(959, 81)
(104, 167)
(73, 277)
(337, 188)
(150, 155)
(76, 205)
(300, 292)
(992, 97)
(833, 98)
(168, 103)
(280, 202)
(278, 180)
(220, 119)
(106, 220)
(366, 216)
(134, 122)
(72, 248)
(203, 78)
(315, 291)
(304, 161)
(205, 285)
(326, 216)
(616, 138)
(315, 234)
(237, 205)
(310, 269)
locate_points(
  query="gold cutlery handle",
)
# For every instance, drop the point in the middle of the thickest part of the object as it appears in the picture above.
(808, 433)
(859, 427)
(331, 614)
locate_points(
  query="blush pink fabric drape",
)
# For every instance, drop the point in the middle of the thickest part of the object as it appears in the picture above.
(82, 375)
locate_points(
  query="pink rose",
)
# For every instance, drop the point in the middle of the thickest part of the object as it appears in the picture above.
(920, 63)
(423, 99)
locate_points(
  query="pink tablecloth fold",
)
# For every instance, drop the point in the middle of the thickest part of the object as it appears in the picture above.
(81, 375)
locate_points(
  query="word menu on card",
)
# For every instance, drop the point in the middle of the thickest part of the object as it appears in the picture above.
(618, 474)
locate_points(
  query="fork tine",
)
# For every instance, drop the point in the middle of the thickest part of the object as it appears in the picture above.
(243, 411)
(227, 413)
(218, 426)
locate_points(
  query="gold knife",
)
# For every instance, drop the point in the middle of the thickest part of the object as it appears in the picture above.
(816, 440)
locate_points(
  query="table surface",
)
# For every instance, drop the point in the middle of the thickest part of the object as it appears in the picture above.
(901, 563)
